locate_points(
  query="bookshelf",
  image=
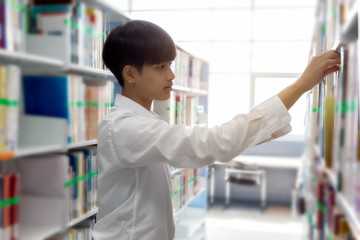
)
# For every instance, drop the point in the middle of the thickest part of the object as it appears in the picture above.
(44, 136)
(332, 128)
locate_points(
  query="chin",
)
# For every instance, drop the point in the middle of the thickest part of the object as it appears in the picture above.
(162, 97)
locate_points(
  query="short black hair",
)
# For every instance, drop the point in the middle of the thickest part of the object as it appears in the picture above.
(136, 43)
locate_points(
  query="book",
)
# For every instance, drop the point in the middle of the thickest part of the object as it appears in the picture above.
(83, 28)
(53, 23)
(3, 108)
(70, 97)
(48, 96)
(6, 193)
(13, 95)
(14, 208)
(1, 210)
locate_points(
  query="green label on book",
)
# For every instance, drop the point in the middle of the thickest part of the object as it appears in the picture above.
(9, 103)
(323, 28)
(91, 104)
(321, 207)
(184, 185)
(309, 215)
(334, 11)
(346, 106)
(180, 65)
(317, 110)
(9, 202)
(88, 30)
(80, 178)
(313, 178)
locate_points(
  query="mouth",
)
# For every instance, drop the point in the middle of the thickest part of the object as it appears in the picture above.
(169, 88)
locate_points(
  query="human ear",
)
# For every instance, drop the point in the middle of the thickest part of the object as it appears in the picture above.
(130, 74)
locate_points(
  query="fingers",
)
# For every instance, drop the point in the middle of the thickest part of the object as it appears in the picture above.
(332, 54)
(330, 62)
(331, 69)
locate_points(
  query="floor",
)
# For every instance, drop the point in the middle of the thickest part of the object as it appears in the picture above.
(240, 222)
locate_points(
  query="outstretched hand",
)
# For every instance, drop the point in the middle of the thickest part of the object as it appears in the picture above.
(316, 70)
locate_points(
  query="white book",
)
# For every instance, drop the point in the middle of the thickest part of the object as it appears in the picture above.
(54, 23)
(44, 175)
(13, 86)
(8, 27)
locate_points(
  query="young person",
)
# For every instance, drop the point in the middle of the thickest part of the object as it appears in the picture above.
(135, 147)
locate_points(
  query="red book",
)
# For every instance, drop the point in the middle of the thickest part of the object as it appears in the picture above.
(320, 202)
(14, 208)
(6, 209)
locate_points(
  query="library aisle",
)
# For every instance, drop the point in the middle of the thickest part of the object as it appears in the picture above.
(227, 57)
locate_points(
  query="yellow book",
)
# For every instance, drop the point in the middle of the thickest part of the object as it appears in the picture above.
(329, 127)
(3, 108)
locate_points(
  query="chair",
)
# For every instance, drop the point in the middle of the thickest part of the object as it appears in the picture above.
(245, 174)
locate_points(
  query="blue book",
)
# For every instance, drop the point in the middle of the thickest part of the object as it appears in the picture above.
(74, 164)
(47, 96)
(3, 23)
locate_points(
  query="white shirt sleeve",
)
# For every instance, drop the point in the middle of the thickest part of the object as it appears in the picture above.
(139, 141)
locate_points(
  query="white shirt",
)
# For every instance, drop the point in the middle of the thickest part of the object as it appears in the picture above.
(135, 149)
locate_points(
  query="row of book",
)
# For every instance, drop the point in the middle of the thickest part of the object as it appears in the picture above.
(188, 71)
(333, 135)
(13, 24)
(185, 185)
(83, 103)
(70, 177)
(9, 206)
(333, 138)
(10, 78)
(330, 221)
(180, 109)
(83, 183)
(80, 232)
(83, 26)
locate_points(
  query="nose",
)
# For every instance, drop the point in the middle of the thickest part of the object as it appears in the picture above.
(171, 75)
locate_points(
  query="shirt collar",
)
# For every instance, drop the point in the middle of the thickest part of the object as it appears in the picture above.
(126, 103)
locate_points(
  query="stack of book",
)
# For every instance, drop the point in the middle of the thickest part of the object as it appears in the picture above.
(180, 109)
(83, 182)
(71, 177)
(188, 71)
(13, 24)
(83, 26)
(185, 185)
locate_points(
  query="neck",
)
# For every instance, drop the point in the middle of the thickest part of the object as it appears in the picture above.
(146, 103)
